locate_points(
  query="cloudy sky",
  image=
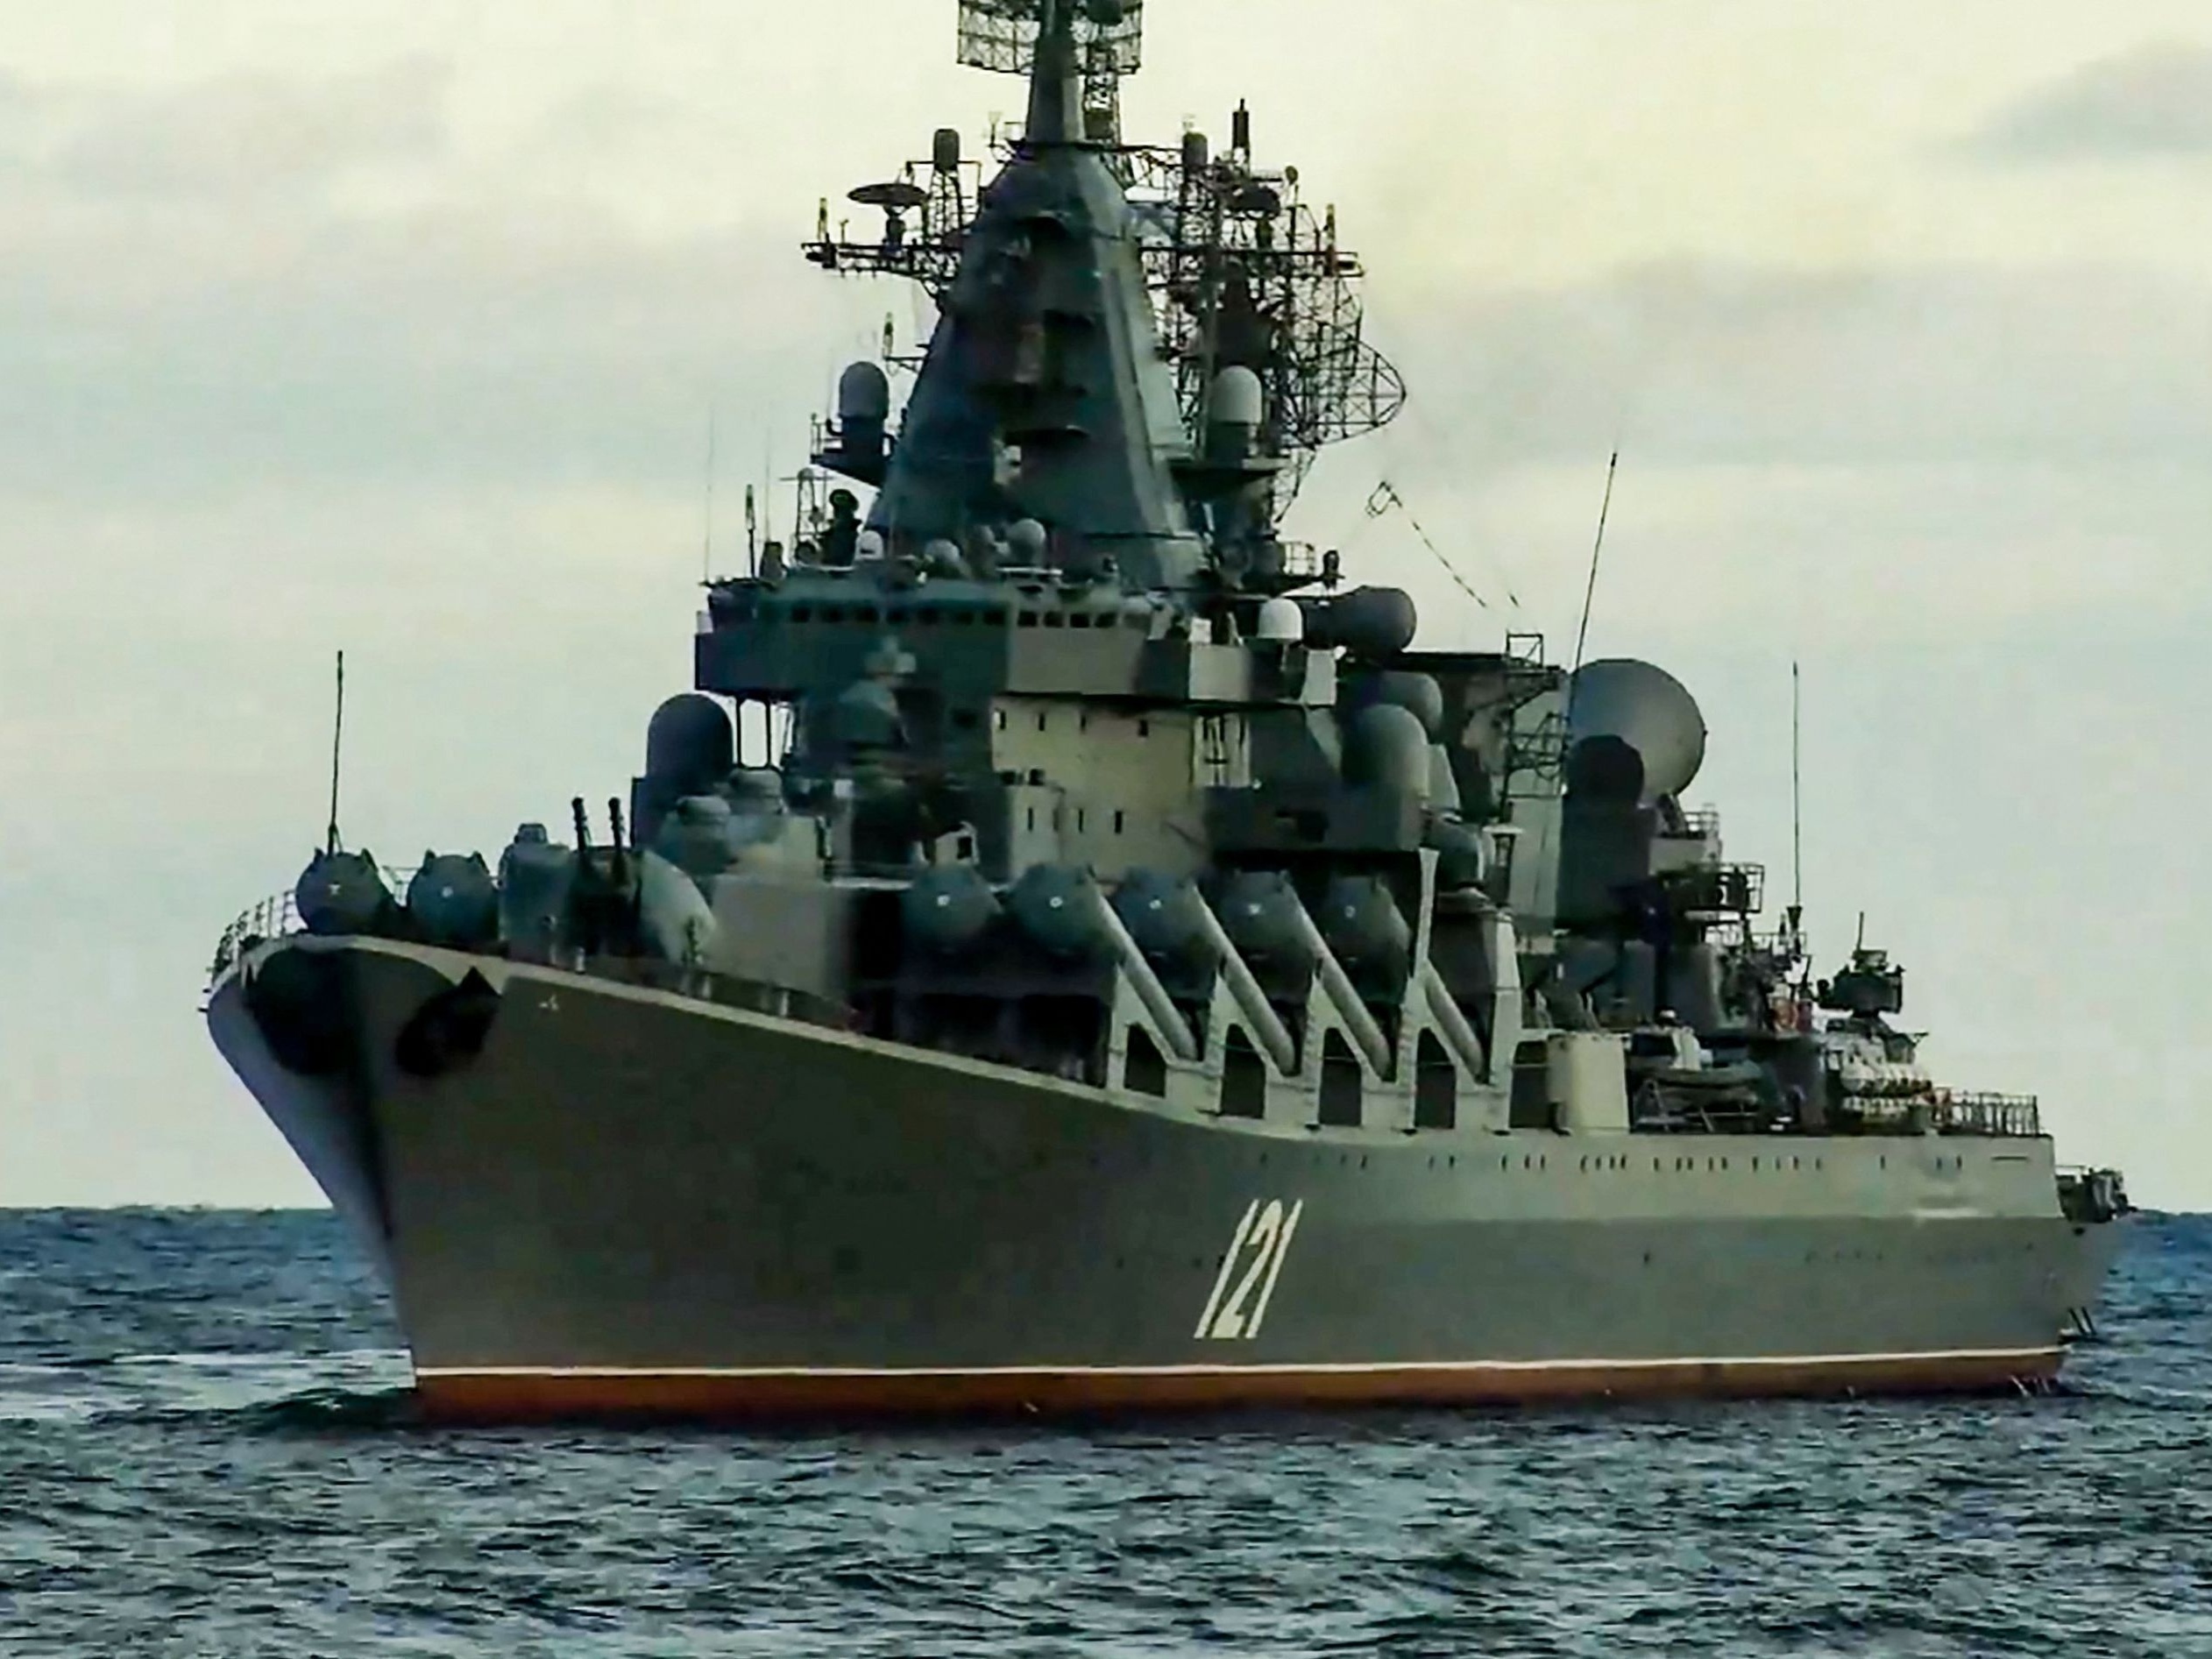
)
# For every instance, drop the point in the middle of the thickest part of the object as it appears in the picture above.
(396, 326)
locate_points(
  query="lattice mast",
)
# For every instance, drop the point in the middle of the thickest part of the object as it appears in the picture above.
(1106, 36)
(1241, 272)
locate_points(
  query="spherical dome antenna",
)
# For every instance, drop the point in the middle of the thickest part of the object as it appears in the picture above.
(1645, 707)
(1281, 621)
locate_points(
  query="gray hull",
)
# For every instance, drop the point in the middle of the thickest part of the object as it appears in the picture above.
(629, 1201)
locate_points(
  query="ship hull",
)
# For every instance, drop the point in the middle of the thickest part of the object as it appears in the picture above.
(623, 1201)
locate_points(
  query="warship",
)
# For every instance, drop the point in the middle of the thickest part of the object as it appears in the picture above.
(1070, 951)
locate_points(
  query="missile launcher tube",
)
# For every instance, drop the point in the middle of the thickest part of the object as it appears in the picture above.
(1251, 1002)
(1344, 997)
(1451, 1023)
(1145, 983)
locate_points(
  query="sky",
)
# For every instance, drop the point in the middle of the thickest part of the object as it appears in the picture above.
(395, 325)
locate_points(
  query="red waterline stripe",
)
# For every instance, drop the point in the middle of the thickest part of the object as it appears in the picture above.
(507, 1394)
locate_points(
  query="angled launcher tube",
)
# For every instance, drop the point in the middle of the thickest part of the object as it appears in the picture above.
(1251, 1002)
(1458, 1035)
(1344, 997)
(1146, 983)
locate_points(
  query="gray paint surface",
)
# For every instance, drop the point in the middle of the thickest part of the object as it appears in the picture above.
(623, 1181)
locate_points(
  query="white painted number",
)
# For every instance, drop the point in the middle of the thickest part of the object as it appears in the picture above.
(1261, 1241)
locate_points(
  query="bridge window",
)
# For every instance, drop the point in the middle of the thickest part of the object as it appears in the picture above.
(1340, 1082)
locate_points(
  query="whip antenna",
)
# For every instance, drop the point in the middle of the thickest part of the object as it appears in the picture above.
(1590, 592)
(337, 737)
(1797, 803)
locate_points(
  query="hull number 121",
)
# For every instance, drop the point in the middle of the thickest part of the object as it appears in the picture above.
(1247, 1282)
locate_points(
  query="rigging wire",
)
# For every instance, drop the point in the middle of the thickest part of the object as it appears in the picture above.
(1415, 419)
(1385, 499)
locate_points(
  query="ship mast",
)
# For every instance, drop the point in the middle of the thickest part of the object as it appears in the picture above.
(1056, 89)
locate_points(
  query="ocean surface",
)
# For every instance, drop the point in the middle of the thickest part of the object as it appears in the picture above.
(206, 1447)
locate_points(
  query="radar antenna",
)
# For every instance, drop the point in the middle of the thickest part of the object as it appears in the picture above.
(1108, 35)
(1241, 272)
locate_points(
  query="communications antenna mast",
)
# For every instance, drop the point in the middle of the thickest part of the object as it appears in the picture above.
(1002, 35)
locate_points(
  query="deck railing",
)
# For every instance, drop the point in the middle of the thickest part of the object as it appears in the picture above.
(1977, 1114)
(278, 915)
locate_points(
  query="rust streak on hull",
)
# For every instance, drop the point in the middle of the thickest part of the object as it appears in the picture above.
(509, 1396)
